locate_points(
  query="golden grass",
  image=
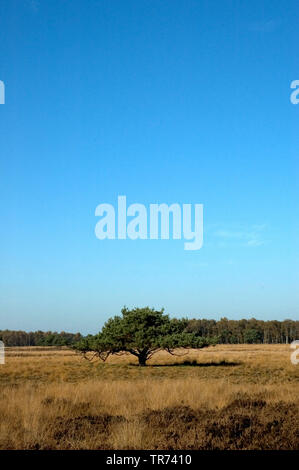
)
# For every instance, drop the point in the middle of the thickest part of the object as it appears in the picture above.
(52, 398)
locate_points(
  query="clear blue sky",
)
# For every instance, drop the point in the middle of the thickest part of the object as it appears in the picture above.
(162, 101)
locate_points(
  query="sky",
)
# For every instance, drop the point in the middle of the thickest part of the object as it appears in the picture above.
(165, 102)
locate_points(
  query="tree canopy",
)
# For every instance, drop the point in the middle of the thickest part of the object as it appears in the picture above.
(141, 332)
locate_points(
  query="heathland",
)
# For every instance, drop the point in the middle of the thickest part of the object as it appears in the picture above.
(223, 397)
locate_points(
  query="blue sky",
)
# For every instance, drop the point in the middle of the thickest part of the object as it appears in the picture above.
(161, 101)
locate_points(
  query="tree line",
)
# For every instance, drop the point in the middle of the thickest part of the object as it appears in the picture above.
(38, 338)
(227, 331)
(246, 331)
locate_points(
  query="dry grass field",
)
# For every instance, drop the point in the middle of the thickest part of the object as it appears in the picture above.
(223, 397)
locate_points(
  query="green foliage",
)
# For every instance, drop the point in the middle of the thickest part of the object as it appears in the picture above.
(141, 332)
(38, 338)
(253, 336)
(227, 332)
(246, 331)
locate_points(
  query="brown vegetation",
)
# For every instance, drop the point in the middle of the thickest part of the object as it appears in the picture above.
(227, 397)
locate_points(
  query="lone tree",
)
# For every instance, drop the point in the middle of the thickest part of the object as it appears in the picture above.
(141, 332)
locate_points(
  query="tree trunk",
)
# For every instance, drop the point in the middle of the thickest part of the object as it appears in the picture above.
(142, 359)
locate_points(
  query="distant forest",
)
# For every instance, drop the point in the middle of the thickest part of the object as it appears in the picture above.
(38, 338)
(228, 332)
(246, 331)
